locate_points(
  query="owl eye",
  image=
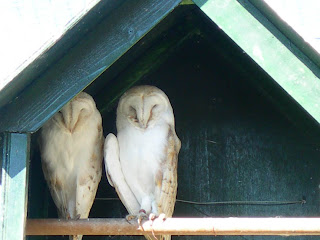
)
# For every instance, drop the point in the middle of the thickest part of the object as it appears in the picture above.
(133, 114)
(155, 107)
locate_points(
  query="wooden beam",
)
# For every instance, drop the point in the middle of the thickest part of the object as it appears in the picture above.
(287, 30)
(269, 48)
(57, 45)
(13, 188)
(177, 226)
(148, 62)
(100, 48)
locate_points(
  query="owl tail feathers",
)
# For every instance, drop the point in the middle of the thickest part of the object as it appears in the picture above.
(75, 237)
(158, 237)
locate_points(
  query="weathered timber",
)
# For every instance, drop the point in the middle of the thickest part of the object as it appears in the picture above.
(83, 64)
(14, 184)
(265, 45)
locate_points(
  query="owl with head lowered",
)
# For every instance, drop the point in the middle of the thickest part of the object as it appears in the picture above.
(71, 146)
(141, 161)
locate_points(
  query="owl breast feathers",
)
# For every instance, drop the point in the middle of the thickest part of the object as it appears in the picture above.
(71, 145)
(141, 162)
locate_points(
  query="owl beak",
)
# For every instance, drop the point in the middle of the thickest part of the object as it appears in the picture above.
(143, 125)
(143, 115)
(71, 116)
(66, 116)
(143, 122)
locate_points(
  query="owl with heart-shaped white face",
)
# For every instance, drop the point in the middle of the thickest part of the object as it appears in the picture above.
(71, 145)
(141, 162)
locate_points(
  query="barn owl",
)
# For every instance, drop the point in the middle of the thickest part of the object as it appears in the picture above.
(141, 162)
(71, 145)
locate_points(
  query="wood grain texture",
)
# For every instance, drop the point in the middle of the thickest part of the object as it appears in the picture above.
(14, 181)
(82, 64)
(149, 62)
(262, 44)
(297, 40)
(239, 142)
(259, 154)
(56, 48)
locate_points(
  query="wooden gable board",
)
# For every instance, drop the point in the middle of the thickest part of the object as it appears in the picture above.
(85, 62)
(59, 84)
(47, 94)
(312, 54)
(257, 41)
(267, 50)
(54, 48)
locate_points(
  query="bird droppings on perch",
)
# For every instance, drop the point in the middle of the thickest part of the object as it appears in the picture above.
(176, 226)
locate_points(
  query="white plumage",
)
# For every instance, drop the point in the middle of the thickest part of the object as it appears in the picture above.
(71, 145)
(141, 162)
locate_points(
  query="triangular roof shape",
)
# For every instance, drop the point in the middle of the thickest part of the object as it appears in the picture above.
(265, 44)
(105, 42)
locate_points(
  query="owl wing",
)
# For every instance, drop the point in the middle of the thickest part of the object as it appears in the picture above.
(88, 181)
(55, 183)
(115, 175)
(57, 189)
(166, 180)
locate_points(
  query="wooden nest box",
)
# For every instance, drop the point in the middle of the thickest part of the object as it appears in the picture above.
(245, 92)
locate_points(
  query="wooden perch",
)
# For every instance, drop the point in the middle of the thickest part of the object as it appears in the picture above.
(176, 226)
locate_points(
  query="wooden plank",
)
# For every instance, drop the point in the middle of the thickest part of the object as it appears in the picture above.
(82, 64)
(264, 47)
(177, 226)
(46, 23)
(148, 62)
(14, 185)
(303, 17)
(56, 47)
(313, 55)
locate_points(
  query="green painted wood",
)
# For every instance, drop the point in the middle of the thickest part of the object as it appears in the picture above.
(268, 51)
(311, 56)
(148, 63)
(83, 63)
(259, 154)
(14, 184)
(186, 2)
(57, 48)
(242, 63)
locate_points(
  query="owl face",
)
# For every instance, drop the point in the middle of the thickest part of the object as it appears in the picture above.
(78, 108)
(143, 106)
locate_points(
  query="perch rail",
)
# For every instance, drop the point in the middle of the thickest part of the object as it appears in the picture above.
(176, 226)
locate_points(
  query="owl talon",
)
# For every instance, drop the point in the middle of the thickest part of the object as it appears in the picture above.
(162, 217)
(142, 215)
(152, 216)
(130, 217)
